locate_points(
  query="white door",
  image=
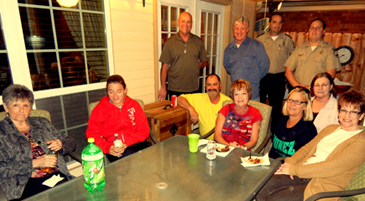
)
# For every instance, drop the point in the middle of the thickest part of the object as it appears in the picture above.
(211, 18)
(207, 23)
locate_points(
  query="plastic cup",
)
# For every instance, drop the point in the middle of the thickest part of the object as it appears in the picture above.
(193, 142)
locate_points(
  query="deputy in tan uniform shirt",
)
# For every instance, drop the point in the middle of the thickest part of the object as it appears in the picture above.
(313, 57)
(278, 47)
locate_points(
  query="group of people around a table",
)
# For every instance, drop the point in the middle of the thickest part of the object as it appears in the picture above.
(319, 134)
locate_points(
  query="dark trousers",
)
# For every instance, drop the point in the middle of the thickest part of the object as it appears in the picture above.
(273, 86)
(282, 188)
(129, 150)
(35, 186)
(177, 93)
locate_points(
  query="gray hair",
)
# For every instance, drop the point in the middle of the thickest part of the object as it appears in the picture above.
(239, 19)
(16, 92)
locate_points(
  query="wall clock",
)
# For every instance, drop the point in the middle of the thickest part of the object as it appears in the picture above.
(345, 54)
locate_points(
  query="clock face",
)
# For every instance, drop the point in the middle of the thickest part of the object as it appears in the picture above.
(345, 54)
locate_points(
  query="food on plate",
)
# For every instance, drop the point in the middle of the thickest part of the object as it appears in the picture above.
(255, 160)
(223, 149)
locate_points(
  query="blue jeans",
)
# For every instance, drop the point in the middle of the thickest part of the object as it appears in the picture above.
(282, 188)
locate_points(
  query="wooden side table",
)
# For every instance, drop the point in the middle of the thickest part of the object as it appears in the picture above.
(168, 122)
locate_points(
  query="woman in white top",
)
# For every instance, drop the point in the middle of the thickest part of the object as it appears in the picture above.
(324, 102)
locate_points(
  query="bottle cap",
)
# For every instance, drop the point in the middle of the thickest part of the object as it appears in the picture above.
(90, 140)
(116, 135)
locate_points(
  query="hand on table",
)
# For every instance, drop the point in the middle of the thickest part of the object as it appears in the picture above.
(118, 152)
(235, 144)
(55, 145)
(45, 161)
(284, 169)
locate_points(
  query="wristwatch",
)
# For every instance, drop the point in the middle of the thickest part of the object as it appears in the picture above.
(244, 147)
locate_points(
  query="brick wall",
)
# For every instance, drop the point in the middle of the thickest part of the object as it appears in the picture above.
(342, 21)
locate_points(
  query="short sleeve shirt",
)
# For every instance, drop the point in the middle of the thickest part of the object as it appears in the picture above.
(236, 127)
(207, 111)
(307, 63)
(183, 59)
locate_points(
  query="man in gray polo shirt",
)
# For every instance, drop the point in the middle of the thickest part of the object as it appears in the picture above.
(182, 56)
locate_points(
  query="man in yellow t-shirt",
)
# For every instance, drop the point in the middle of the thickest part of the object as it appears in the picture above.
(204, 107)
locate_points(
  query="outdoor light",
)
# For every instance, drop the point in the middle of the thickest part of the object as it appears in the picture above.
(68, 3)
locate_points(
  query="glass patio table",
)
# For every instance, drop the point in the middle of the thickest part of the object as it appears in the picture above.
(168, 171)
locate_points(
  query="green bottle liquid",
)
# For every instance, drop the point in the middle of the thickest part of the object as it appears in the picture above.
(93, 167)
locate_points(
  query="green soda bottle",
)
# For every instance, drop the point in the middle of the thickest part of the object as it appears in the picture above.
(93, 167)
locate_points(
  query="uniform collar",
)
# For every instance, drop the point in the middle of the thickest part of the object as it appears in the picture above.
(179, 37)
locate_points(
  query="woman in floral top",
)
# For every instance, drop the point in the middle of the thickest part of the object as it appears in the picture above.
(238, 124)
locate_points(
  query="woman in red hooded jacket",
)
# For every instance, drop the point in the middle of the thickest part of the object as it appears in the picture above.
(116, 113)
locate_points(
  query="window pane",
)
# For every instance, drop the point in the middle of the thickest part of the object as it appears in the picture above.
(214, 64)
(203, 14)
(164, 38)
(43, 70)
(215, 28)
(56, 4)
(73, 68)
(210, 19)
(94, 30)
(209, 45)
(173, 19)
(97, 66)
(37, 28)
(164, 18)
(36, 2)
(68, 29)
(5, 74)
(214, 45)
(95, 5)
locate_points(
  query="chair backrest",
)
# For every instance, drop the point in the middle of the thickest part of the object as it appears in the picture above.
(358, 181)
(93, 104)
(265, 111)
(33, 113)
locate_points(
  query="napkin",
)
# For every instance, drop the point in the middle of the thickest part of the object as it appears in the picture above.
(265, 161)
(202, 142)
(222, 154)
(51, 182)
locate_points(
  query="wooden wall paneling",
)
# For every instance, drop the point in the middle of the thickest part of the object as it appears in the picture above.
(301, 39)
(294, 36)
(346, 72)
(356, 41)
(336, 39)
(328, 37)
(362, 61)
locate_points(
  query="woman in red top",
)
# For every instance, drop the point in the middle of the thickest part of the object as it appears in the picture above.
(238, 123)
(116, 113)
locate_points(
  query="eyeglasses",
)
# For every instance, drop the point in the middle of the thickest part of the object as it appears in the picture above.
(352, 113)
(302, 88)
(296, 102)
(321, 85)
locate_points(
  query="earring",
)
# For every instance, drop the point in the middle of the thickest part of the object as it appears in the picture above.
(7, 114)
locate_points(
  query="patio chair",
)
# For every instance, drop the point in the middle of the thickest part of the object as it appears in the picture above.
(264, 137)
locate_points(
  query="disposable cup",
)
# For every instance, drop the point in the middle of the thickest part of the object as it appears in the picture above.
(193, 142)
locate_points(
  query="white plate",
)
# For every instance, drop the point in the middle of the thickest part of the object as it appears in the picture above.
(264, 160)
(222, 154)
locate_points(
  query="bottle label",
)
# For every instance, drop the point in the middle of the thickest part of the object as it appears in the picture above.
(118, 143)
(93, 171)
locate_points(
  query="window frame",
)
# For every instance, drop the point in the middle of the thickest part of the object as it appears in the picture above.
(17, 54)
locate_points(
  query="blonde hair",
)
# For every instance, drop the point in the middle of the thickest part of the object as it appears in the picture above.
(241, 19)
(240, 84)
(308, 114)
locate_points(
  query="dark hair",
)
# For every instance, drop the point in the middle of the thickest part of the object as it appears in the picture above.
(213, 74)
(276, 13)
(15, 92)
(240, 84)
(319, 19)
(115, 79)
(329, 77)
(354, 98)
